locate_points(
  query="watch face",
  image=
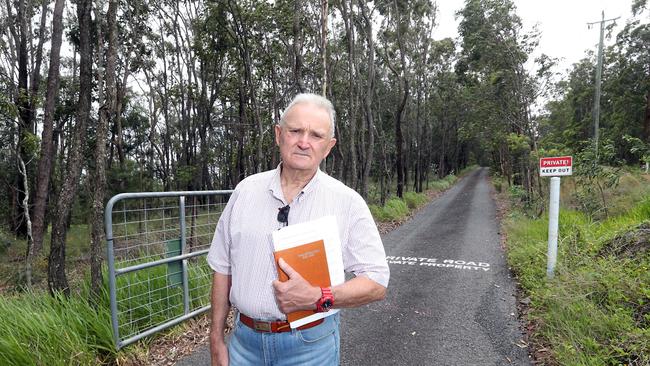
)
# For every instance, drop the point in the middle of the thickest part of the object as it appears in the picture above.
(327, 304)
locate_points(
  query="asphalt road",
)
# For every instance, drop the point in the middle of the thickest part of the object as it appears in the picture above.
(450, 300)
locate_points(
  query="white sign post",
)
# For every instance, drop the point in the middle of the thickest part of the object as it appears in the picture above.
(554, 167)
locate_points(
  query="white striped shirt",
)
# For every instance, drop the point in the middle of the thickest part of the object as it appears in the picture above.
(243, 248)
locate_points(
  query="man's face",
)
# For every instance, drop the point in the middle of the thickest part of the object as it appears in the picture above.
(304, 139)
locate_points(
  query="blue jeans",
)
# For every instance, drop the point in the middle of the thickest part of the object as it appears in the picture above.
(314, 346)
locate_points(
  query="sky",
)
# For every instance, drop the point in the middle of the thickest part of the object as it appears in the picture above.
(563, 24)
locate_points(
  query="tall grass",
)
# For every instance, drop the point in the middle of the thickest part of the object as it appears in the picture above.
(394, 209)
(596, 309)
(147, 298)
(38, 329)
(442, 184)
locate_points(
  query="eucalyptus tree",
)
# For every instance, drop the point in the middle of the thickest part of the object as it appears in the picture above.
(57, 279)
(107, 100)
(45, 163)
(347, 11)
(366, 28)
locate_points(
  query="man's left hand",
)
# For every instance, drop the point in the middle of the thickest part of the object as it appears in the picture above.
(296, 293)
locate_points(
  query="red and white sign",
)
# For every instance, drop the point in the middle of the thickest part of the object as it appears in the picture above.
(556, 166)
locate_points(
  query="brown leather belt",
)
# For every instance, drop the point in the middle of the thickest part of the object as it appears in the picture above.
(273, 326)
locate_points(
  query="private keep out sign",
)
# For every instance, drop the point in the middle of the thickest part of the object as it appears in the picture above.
(555, 167)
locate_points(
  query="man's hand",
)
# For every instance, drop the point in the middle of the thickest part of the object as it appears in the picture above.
(296, 293)
(218, 351)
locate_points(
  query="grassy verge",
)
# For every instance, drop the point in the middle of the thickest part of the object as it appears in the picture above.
(596, 311)
(38, 329)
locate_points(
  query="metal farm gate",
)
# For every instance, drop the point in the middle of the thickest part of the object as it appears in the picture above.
(158, 276)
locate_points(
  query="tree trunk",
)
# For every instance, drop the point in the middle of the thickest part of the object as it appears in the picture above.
(99, 175)
(367, 101)
(21, 100)
(28, 222)
(57, 280)
(646, 121)
(404, 86)
(399, 138)
(324, 17)
(297, 47)
(243, 35)
(44, 171)
(352, 82)
(36, 72)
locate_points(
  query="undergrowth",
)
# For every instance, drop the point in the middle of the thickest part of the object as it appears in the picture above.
(38, 329)
(596, 310)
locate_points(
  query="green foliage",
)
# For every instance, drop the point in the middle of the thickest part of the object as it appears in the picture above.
(442, 184)
(518, 144)
(414, 200)
(394, 209)
(38, 329)
(638, 148)
(129, 177)
(185, 174)
(497, 182)
(30, 144)
(595, 310)
(593, 178)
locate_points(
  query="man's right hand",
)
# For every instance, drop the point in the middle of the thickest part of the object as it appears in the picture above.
(218, 352)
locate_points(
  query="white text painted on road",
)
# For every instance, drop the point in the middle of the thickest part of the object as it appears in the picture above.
(435, 262)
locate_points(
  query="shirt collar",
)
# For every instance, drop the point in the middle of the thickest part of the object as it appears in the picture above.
(275, 186)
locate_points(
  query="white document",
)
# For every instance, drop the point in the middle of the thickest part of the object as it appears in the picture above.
(325, 229)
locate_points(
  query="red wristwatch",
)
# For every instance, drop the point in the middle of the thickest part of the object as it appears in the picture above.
(326, 301)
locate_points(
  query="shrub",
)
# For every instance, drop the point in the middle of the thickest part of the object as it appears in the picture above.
(414, 200)
(442, 184)
(394, 209)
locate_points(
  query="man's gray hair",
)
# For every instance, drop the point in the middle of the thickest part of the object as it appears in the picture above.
(316, 100)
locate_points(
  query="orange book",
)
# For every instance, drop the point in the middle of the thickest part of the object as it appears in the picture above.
(310, 261)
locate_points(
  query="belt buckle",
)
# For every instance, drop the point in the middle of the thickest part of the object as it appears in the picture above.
(262, 326)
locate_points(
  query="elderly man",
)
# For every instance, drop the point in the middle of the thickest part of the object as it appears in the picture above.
(241, 254)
